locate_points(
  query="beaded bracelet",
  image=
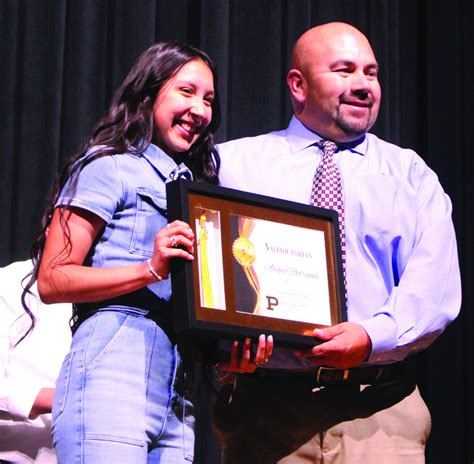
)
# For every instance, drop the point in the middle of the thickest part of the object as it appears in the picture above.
(156, 276)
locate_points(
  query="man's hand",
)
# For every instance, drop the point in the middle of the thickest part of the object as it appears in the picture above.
(347, 345)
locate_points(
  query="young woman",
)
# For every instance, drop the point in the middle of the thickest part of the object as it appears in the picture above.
(121, 393)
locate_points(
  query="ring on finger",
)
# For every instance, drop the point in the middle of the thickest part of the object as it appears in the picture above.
(173, 241)
(259, 363)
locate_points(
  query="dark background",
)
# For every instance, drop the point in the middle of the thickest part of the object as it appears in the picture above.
(61, 61)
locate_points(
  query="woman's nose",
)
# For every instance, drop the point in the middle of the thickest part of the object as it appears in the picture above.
(198, 108)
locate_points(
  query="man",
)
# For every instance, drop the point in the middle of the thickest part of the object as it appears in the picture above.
(28, 368)
(401, 268)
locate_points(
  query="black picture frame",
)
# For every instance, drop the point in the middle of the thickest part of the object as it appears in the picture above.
(190, 201)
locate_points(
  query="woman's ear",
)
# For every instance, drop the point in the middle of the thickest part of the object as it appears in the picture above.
(297, 85)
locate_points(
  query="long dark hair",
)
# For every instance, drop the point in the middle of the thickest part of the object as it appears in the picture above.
(128, 128)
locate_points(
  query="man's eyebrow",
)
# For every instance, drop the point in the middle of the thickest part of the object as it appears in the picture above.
(343, 62)
(337, 63)
(373, 65)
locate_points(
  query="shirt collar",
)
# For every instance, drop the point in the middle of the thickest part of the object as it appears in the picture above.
(164, 164)
(300, 137)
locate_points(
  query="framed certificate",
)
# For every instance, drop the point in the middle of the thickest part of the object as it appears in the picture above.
(262, 265)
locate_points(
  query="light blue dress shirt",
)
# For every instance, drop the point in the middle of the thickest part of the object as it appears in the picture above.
(403, 281)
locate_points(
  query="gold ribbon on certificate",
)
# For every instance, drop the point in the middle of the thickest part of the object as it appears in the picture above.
(244, 253)
(207, 295)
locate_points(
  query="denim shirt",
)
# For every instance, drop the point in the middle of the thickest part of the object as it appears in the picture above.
(128, 193)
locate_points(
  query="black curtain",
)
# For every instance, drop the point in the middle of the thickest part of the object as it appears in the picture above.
(62, 59)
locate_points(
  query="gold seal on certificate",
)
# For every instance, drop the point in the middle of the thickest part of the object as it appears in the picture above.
(243, 251)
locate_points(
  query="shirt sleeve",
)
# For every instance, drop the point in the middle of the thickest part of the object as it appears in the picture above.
(100, 188)
(17, 395)
(33, 363)
(428, 295)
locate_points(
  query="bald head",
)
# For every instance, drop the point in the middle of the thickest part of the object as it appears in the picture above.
(333, 81)
(306, 47)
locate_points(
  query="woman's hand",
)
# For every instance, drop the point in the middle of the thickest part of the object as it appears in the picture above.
(243, 363)
(176, 240)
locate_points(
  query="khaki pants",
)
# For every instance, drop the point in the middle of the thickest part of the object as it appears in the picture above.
(265, 421)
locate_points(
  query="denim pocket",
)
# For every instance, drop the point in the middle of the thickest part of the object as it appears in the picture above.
(62, 386)
(149, 219)
(110, 327)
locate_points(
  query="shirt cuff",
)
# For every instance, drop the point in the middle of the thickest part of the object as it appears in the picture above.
(383, 335)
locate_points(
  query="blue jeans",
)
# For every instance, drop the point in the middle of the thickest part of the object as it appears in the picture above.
(120, 394)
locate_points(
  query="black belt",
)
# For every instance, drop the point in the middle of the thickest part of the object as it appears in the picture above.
(158, 309)
(324, 376)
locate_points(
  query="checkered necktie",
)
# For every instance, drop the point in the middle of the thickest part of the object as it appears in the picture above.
(327, 190)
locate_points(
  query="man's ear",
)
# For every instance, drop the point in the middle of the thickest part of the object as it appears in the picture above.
(297, 85)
